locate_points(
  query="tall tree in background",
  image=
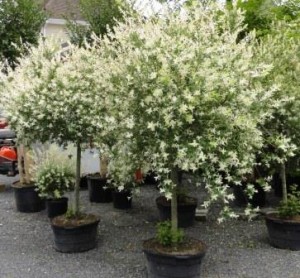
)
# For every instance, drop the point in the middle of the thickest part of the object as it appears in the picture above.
(260, 14)
(20, 24)
(100, 16)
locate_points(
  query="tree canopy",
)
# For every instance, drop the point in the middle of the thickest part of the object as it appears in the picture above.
(20, 25)
(260, 14)
(100, 16)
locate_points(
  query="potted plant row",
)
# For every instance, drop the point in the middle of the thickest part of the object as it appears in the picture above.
(169, 101)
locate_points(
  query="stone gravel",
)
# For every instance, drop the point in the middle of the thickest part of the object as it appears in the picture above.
(236, 249)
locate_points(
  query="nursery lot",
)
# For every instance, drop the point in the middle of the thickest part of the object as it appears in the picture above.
(235, 249)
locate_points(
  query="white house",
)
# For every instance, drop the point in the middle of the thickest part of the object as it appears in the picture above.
(58, 11)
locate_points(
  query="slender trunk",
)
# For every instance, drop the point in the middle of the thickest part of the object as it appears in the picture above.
(76, 192)
(21, 164)
(24, 165)
(103, 166)
(174, 211)
(283, 182)
(27, 165)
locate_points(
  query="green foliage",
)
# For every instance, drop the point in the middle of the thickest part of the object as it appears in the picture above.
(292, 206)
(54, 173)
(282, 130)
(20, 24)
(168, 237)
(101, 16)
(188, 96)
(70, 214)
(260, 14)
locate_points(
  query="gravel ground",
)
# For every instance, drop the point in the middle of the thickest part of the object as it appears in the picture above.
(236, 248)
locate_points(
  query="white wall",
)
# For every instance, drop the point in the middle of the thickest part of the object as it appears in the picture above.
(56, 30)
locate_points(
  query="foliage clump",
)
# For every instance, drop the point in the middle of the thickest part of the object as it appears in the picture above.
(101, 16)
(54, 173)
(189, 96)
(291, 207)
(20, 25)
(168, 237)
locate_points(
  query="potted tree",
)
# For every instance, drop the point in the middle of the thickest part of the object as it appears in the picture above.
(54, 175)
(189, 97)
(52, 97)
(14, 41)
(282, 132)
(101, 21)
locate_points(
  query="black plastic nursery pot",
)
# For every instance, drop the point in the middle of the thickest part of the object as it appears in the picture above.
(241, 199)
(97, 191)
(283, 233)
(122, 199)
(74, 239)
(186, 210)
(164, 265)
(27, 199)
(290, 180)
(83, 182)
(151, 178)
(56, 207)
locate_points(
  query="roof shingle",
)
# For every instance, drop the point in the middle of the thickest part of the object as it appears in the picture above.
(63, 8)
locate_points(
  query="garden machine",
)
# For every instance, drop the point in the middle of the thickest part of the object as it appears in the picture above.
(8, 151)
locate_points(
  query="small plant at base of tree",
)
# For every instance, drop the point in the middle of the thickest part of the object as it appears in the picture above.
(291, 207)
(168, 237)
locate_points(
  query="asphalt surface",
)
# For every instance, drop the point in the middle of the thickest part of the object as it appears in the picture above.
(236, 249)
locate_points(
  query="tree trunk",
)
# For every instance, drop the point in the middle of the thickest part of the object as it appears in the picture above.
(27, 165)
(103, 166)
(283, 182)
(20, 151)
(174, 212)
(77, 184)
(24, 164)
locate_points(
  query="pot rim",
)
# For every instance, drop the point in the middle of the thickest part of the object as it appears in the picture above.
(95, 177)
(275, 218)
(199, 254)
(159, 202)
(57, 199)
(18, 185)
(62, 227)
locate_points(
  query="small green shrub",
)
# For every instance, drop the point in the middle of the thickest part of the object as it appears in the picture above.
(54, 173)
(292, 206)
(70, 213)
(166, 236)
